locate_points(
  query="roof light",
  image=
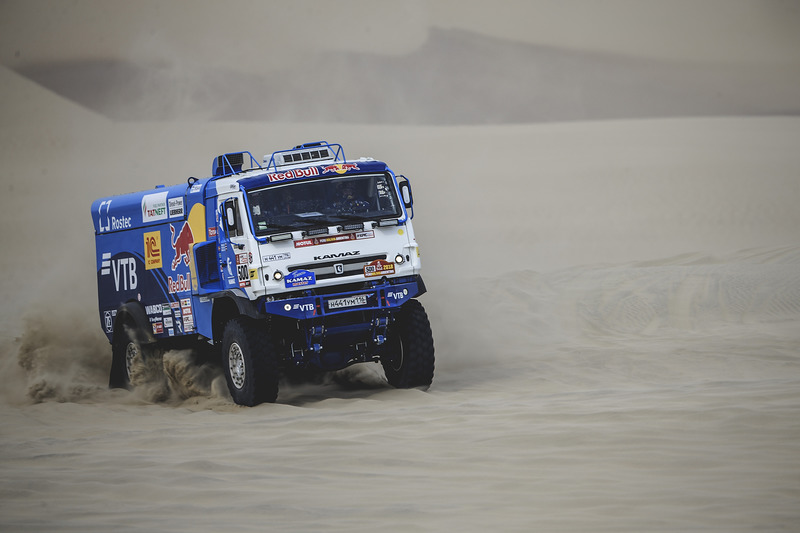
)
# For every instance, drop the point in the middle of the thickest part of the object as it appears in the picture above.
(280, 237)
(352, 227)
(315, 231)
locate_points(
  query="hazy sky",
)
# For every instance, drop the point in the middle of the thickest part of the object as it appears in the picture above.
(267, 34)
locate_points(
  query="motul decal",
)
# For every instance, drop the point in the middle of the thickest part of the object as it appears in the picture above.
(334, 238)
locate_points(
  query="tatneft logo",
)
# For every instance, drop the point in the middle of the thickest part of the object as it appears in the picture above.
(154, 207)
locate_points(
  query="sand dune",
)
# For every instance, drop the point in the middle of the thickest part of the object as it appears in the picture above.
(615, 306)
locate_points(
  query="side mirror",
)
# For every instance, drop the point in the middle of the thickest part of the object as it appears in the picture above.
(232, 217)
(405, 192)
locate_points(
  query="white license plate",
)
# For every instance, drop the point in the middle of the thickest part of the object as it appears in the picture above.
(350, 301)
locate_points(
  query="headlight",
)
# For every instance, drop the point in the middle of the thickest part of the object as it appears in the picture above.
(278, 275)
(399, 259)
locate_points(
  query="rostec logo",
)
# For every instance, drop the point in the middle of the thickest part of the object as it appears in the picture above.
(154, 207)
(334, 256)
(294, 174)
(152, 250)
(100, 226)
(340, 168)
(181, 244)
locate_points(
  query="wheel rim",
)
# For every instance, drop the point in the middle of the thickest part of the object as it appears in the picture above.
(236, 366)
(131, 353)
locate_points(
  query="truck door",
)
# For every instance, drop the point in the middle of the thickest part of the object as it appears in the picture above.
(234, 254)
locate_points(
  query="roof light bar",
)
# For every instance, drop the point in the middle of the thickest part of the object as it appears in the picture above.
(307, 153)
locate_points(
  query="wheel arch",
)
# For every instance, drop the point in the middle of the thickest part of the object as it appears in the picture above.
(226, 308)
(133, 313)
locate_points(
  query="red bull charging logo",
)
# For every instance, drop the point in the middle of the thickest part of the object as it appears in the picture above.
(339, 168)
(181, 244)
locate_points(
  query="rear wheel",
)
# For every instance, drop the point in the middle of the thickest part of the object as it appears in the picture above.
(249, 362)
(127, 351)
(409, 361)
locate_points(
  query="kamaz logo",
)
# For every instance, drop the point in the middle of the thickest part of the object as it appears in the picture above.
(334, 256)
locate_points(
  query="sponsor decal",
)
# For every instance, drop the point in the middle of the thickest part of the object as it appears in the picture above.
(108, 319)
(243, 275)
(180, 285)
(124, 271)
(121, 223)
(379, 267)
(176, 207)
(158, 328)
(303, 243)
(105, 265)
(111, 223)
(340, 168)
(253, 274)
(294, 174)
(154, 207)
(168, 322)
(154, 309)
(334, 256)
(304, 308)
(300, 278)
(100, 226)
(212, 231)
(276, 257)
(152, 250)
(181, 244)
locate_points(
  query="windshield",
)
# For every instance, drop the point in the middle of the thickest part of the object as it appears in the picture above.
(323, 202)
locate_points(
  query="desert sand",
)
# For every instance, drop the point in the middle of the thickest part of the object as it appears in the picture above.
(614, 290)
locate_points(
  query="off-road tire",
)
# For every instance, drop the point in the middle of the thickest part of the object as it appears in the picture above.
(126, 351)
(409, 361)
(249, 362)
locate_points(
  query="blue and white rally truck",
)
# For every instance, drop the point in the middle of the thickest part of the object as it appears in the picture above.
(307, 263)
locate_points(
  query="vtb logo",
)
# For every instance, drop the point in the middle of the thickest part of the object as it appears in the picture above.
(152, 250)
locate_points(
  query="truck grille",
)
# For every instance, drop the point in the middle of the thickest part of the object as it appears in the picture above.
(350, 266)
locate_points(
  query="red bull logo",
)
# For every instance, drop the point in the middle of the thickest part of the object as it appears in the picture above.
(181, 244)
(340, 168)
(294, 174)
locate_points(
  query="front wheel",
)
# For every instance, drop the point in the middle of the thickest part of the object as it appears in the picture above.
(409, 361)
(249, 362)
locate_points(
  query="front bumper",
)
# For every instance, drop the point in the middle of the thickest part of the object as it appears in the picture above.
(386, 294)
